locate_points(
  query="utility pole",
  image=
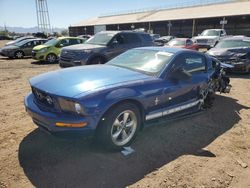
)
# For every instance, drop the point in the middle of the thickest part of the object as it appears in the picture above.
(42, 13)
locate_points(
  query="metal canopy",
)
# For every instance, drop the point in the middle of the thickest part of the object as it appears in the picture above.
(208, 11)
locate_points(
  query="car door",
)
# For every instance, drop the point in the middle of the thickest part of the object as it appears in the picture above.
(183, 93)
(27, 48)
(62, 43)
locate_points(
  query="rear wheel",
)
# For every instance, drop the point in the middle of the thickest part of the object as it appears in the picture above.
(19, 54)
(51, 58)
(118, 128)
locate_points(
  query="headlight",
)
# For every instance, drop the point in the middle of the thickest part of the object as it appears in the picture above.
(87, 51)
(210, 41)
(70, 106)
(42, 50)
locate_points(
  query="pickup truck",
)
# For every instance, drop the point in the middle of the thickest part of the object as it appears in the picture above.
(209, 38)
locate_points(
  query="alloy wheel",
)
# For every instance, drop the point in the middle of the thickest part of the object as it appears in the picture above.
(124, 127)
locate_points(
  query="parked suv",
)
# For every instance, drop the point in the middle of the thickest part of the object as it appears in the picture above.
(51, 49)
(102, 47)
(209, 38)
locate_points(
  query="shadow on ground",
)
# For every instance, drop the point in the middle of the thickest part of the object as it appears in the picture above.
(11, 59)
(42, 63)
(51, 162)
(240, 75)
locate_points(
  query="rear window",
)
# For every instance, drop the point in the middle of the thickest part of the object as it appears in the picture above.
(131, 38)
(146, 37)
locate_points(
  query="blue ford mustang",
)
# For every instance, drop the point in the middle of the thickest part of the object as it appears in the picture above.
(114, 100)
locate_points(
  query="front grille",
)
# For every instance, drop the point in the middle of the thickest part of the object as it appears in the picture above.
(43, 98)
(69, 55)
(201, 40)
(65, 58)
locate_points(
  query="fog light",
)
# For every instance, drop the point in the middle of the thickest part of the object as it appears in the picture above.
(78, 108)
(60, 124)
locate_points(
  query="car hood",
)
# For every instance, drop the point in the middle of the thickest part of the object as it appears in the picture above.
(228, 52)
(71, 82)
(83, 47)
(10, 43)
(206, 37)
(10, 47)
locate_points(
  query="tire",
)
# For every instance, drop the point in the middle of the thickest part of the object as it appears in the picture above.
(96, 60)
(112, 133)
(19, 54)
(51, 58)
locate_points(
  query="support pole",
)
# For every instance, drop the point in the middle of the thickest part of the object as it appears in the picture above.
(193, 29)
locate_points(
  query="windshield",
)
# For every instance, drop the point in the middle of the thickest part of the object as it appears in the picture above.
(233, 43)
(51, 42)
(100, 39)
(150, 62)
(176, 42)
(210, 33)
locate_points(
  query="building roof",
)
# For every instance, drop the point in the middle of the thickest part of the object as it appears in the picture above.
(207, 11)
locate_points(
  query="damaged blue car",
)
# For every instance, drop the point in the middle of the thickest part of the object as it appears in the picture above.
(116, 99)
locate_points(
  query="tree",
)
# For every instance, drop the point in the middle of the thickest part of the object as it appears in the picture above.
(65, 32)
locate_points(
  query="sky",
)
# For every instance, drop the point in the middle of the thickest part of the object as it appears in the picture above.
(63, 13)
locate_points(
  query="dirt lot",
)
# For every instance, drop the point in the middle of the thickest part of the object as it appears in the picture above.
(211, 149)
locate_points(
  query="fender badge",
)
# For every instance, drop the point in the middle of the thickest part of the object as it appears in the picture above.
(157, 101)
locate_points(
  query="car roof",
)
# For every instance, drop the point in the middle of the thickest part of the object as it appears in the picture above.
(123, 31)
(60, 38)
(237, 38)
(33, 39)
(166, 49)
(215, 29)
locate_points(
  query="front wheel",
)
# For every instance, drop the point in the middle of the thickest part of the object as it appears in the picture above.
(51, 58)
(19, 54)
(118, 128)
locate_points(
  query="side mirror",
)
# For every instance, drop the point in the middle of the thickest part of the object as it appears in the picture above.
(59, 45)
(180, 74)
(114, 44)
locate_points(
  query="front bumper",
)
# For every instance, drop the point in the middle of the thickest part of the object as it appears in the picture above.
(63, 62)
(37, 56)
(6, 53)
(239, 68)
(47, 120)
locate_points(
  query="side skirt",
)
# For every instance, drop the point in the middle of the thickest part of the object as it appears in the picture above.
(173, 110)
(174, 117)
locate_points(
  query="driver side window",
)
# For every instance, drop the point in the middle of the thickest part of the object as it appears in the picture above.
(28, 44)
(191, 63)
(119, 39)
(64, 42)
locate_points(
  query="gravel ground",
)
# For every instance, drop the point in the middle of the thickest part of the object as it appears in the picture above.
(210, 149)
